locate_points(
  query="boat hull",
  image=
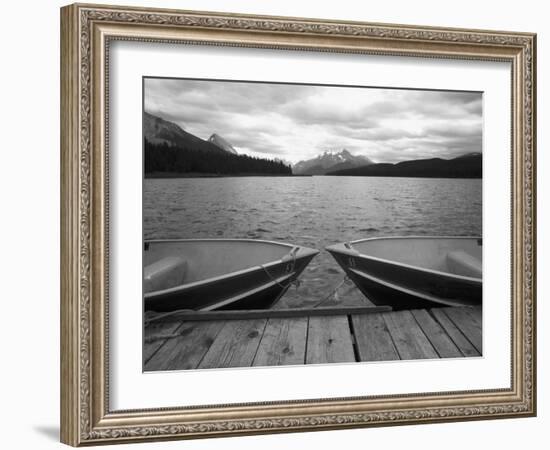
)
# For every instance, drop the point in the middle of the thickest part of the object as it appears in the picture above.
(403, 286)
(258, 287)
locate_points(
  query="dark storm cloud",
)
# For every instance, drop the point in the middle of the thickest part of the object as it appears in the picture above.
(380, 134)
(303, 113)
(297, 122)
(429, 104)
(231, 97)
(450, 130)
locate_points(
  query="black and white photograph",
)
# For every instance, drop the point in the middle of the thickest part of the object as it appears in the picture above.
(289, 224)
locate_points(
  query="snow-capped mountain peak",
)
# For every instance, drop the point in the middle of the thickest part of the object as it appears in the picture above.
(328, 161)
(222, 143)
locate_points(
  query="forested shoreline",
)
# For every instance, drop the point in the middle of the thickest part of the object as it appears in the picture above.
(173, 160)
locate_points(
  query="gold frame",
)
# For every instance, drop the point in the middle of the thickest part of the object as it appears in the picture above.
(86, 31)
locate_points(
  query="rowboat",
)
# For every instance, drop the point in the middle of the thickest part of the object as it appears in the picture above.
(210, 274)
(414, 272)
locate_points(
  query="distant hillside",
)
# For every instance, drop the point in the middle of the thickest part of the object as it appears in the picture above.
(330, 162)
(465, 166)
(171, 150)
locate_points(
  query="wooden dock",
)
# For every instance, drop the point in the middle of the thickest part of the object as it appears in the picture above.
(191, 340)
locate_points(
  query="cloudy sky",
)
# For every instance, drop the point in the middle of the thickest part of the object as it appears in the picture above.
(296, 122)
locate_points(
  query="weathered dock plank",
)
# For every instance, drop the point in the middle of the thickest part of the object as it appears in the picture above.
(373, 340)
(468, 321)
(187, 349)
(296, 337)
(235, 345)
(155, 336)
(408, 337)
(283, 342)
(463, 344)
(329, 340)
(440, 340)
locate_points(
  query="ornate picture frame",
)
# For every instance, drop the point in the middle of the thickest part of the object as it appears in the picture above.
(86, 34)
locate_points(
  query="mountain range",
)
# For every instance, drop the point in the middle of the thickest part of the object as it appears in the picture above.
(330, 161)
(465, 166)
(172, 151)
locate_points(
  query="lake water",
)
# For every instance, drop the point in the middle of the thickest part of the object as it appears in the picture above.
(314, 212)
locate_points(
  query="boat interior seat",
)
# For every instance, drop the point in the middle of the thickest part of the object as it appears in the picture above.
(461, 263)
(165, 273)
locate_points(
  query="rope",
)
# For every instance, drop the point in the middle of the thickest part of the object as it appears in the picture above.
(296, 282)
(333, 292)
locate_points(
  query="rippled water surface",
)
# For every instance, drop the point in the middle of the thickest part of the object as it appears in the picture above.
(314, 212)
